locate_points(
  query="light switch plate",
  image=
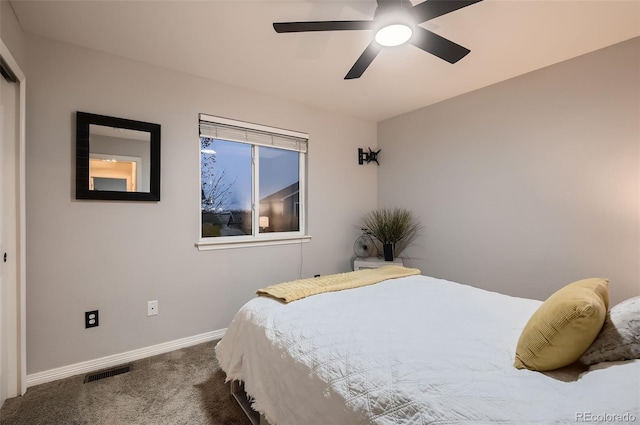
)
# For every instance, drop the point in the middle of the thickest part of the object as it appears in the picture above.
(152, 308)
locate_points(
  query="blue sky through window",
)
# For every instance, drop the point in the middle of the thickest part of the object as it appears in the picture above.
(226, 172)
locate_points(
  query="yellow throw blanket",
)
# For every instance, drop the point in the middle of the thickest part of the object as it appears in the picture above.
(297, 289)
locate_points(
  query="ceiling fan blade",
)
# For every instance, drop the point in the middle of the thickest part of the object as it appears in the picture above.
(438, 46)
(430, 9)
(282, 27)
(364, 61)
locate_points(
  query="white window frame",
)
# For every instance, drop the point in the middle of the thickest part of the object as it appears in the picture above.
(256, 135)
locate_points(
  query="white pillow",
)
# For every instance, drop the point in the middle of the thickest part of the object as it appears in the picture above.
(619, 338)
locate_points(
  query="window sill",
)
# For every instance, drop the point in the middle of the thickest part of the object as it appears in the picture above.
(209, 245)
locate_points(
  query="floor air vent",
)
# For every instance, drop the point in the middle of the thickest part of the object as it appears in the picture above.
(101, 374)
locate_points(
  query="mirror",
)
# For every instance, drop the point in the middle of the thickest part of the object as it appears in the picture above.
(117, 158)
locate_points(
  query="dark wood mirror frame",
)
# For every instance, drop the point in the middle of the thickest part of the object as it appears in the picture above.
(83, 122)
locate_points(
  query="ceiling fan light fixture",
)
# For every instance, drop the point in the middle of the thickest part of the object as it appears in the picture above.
(394, 23)
(393, 35)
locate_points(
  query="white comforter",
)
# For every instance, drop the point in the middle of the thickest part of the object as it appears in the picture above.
(415, 350)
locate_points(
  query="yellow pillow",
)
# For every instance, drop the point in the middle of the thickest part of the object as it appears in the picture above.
(564, 326)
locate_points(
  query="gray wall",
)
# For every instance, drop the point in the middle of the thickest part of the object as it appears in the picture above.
(115, 256)
(528, 184)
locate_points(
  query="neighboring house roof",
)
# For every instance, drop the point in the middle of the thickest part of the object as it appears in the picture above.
(283, 193)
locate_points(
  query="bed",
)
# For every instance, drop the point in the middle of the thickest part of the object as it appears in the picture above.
(410, 350)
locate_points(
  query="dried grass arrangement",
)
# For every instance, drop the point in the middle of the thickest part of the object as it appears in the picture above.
(395, 228)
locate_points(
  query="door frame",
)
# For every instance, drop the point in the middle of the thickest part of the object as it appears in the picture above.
(21, 300)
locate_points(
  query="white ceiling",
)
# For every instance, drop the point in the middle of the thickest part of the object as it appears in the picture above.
(233, 42)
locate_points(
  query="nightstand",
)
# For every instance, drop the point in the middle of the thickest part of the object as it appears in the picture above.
(374, 262)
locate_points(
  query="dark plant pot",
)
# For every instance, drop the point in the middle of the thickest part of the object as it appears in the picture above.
(388, 251)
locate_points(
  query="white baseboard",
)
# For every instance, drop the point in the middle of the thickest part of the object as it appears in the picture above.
(118, 359)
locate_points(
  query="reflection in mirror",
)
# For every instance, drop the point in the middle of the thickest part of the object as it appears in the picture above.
(116, 158)
(119, 159)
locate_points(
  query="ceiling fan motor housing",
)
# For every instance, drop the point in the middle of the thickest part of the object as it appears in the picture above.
(396, 18)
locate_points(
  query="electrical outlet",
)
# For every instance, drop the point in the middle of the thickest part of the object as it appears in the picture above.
(152, 308)
(91, 319)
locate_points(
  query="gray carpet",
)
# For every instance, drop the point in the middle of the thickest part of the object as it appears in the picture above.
(181, 387)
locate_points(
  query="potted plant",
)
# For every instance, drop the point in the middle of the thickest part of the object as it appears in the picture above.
(394, 228)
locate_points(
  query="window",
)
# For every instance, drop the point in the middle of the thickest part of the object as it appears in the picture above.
(252, 181)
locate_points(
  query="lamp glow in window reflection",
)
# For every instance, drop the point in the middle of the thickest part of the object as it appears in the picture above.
(264, 221)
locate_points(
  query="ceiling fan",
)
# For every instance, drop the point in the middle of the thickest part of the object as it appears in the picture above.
(394, 22)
